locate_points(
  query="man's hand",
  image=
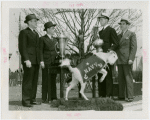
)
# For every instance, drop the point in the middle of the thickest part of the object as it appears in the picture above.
(28, 63)
(130, 62)
(42, 64)
(109, 50)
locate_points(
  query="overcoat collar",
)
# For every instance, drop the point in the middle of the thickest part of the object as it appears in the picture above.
(104, 30)
(33, 35)
(49, 41)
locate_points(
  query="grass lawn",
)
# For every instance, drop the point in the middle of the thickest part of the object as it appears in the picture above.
(15, 99)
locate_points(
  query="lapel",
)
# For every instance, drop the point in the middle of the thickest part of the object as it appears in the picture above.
(37, 38)
(31, 34)
(126, 34)
(103, 32)
(48, 41)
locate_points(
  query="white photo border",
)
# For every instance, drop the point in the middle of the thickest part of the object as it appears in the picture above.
(6, 114)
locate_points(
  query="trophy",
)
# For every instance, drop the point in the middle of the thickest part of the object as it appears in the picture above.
(61, 44)
(95, 31)
(97, 41)
(98, 44)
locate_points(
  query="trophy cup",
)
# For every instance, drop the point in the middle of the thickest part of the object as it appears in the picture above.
(95, 31)
(98, 44)
(97, 41)
(61, 45)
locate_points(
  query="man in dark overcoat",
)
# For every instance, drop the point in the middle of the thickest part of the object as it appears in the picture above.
(110, 39)
(30, 58)
(48, 55)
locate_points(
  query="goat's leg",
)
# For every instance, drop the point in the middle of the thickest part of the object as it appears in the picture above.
(72, 85)
(82, 90)
(104, 72)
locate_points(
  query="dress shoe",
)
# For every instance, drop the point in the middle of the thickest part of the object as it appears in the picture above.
(43, 101)
(129, 100)
(111, 97)
(35, 103)
(27, 105)
(54, 99)
(118, 98)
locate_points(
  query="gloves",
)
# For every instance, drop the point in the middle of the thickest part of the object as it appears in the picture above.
(28, 63)
(42, 64)
(109, 50)
(130, 62)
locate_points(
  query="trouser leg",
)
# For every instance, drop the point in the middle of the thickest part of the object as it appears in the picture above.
(121, 81)
(101, 86)
(34, 82)
(129, 80)
(109, 81)
(53, 86)
(44, 83)
(27, 83)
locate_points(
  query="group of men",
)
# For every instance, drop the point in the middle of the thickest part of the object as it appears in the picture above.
(34, 52)
(125, 45)
(37, 51)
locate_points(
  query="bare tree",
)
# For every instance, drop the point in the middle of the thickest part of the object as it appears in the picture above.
(79, 22)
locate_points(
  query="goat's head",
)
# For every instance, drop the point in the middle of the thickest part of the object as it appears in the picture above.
(65, 62)
(112, 58)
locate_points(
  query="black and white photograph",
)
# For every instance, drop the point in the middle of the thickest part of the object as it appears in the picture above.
(75, 58)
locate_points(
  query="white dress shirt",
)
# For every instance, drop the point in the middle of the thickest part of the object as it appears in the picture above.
(125, 31)
(105, 26)
(31, 28)
(49, 36)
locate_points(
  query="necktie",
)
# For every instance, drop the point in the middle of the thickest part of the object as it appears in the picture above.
(121, 34)
(34, 31)
(50, 37)
(35, 34)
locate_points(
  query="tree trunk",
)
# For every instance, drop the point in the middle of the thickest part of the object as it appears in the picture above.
(81, 38)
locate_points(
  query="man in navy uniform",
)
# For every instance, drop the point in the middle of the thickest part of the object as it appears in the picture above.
(30, 58)
(126, 55)
(110, 39)
(48, 55)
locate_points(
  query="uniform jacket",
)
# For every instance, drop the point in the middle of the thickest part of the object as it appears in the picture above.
(110, 38)
(127, 47)
(47, 49)
(29, 46)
